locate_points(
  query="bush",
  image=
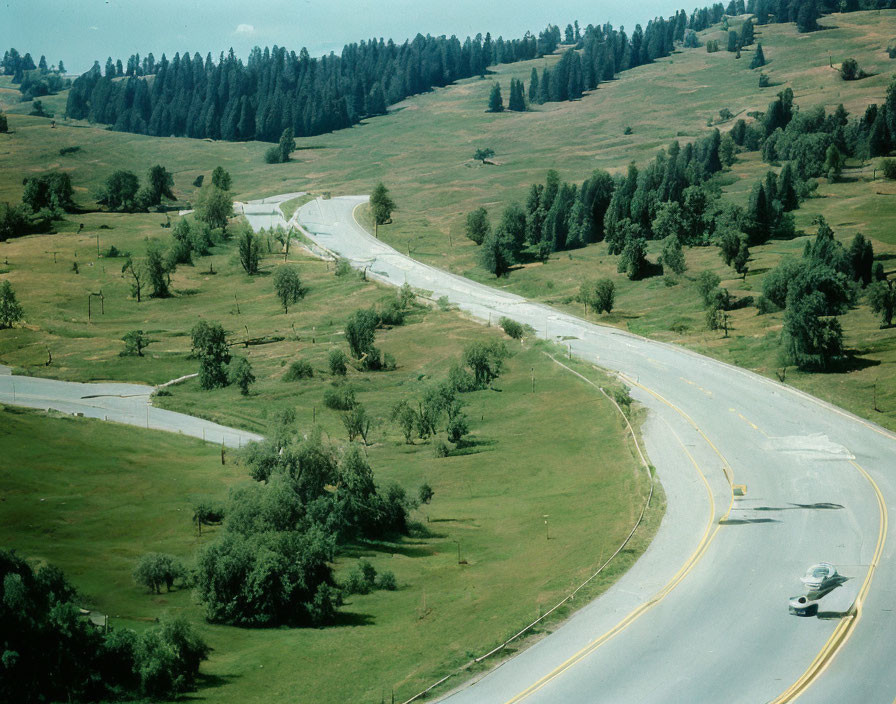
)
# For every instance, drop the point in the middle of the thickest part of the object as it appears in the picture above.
(889, 168)
(361, 580)
(340, 398)
(440, 448)
(338, 362)
(850, 71)
(298, 370)
(765, 306)
(343, 268)
(391, 313)
(272, 156)
(512, 328)
(386, 580)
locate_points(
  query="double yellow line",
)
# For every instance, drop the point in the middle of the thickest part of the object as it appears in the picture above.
(847, 624)
(828, 652)
(712, 529)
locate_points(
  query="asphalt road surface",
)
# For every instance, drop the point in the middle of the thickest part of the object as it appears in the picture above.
(702, 616)
(121, 403)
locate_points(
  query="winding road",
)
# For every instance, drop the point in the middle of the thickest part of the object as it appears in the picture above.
(702, 616)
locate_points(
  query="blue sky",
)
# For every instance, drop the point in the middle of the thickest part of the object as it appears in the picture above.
(79, 31)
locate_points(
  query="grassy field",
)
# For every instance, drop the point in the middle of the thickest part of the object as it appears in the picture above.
(92, 498)
(576, 467)
(423, 151)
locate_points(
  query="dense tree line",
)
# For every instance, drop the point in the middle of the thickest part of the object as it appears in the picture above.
(276, 89)
(49, 652)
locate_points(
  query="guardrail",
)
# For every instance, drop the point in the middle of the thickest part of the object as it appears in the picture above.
(571, 595)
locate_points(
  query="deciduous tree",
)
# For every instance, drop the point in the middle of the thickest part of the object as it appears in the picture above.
(288, 285)
(10, 310)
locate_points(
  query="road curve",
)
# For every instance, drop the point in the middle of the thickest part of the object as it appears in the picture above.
(122, 403)
(702, 616)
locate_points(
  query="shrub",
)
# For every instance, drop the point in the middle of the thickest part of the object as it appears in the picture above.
(343, 268)
(272, 156)
(340, 398)
(440, 448)
(386, 580)
(392, 313)
(361, 580)
(298, 370)
(338, 362)
(850, 71)
(889, 168)
(512, 328)
(425, 493)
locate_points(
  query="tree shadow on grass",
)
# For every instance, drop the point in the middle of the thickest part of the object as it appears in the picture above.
(206, 682)
(852, 361)
(351, 618)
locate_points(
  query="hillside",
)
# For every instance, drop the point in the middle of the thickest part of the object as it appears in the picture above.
(422, 150)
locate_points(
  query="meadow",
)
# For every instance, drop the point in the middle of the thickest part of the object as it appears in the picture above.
(113, 493)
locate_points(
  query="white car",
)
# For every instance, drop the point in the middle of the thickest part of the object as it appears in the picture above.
(821, 576)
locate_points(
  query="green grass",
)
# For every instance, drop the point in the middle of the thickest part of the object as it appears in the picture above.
(489, 500)
(293, 204)
(92, 498)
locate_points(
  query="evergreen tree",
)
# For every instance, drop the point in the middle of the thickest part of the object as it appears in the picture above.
(533, 86)
(732, 41)
(758, 57)
(10, 310)
(494, 256)
(861, 259)
(879, 139)
(495, 102)
(633, 258)
(287, 144)
(517, 102)
(807, 16)
(787, 194)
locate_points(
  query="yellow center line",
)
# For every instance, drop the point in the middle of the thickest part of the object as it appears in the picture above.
(847, 625)
(712, 528)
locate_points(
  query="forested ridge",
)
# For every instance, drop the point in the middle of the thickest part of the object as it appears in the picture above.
(277, 89)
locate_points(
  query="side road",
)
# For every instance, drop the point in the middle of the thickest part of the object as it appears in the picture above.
(121, 403)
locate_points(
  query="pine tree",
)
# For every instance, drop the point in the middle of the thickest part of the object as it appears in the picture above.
(787, 194)
(758, 57)
(517, 101)
(533, 86)
(879, 140)
(495, 102)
